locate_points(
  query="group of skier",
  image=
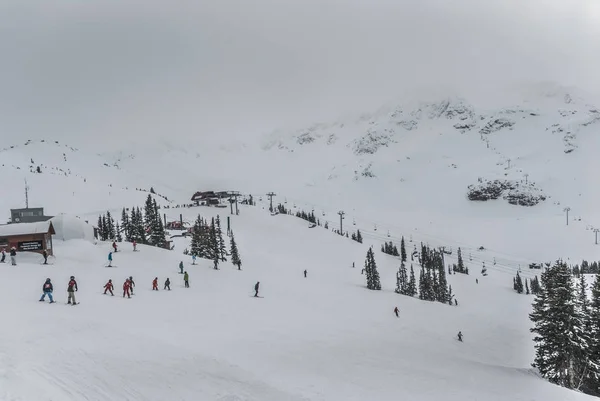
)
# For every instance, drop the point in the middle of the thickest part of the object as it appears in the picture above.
(48, 289)
(13, 256)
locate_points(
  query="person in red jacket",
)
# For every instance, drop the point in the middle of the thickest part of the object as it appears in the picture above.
(155, 284)
(109, 287)
(126, 287)
(114, 245)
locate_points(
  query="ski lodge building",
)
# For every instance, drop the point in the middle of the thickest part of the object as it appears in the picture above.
(27, 237)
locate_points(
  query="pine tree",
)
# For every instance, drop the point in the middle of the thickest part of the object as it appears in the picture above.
(222, 250)
(412, 283)
(519, 284)
(461, 264)
(592, 380)
(561, 345)
(402, 250)
(125, 226)
(373, 282)
(110, 226)
(149, 214)
(402, 280)
(422, 284)
(140, 228)
(450, 295)
(214, 244)
(118, 232)
(104, 229)
(196, 237)
(359, 237)
(526, 287)
(235, 255)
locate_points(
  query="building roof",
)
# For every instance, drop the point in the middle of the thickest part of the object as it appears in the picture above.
(41, 227)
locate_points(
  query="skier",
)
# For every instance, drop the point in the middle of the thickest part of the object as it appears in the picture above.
(47, 288)
(109, 287)
(155, 284)
(131, 284)
(396, 311)
(477, 280)
(13, 256)
(72, 287)
(460, 336)
(114, 245)
(186, 279)
(134, 246)
(3, 260)
(194, 259)
(45, 255)
(455, 302)
(304, 273)
(110, 259)
(181, 267)
(168, 285)
(126, 287)
(256, 288)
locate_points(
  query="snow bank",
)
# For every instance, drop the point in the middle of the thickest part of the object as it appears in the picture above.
(70, 227)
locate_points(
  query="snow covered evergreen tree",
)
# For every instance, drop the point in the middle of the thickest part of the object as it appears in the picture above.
(125, 226)
(110, 226)
(562, 349)
(222, 250)
(373, 281)
(519, 283)
(149, 213)
(461, 264)
(195, 244)
(235, 254)
(412, 283)
(403, 250)
(118, 233)
(592, 379)
(214, 244)
(402, 280)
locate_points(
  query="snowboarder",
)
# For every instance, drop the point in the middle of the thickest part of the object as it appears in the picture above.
(168, 285)
(45, 255)
(114, 245)
(304, 273)
(72, 287)
(109, 287)
(110, 259)
(460, 336)
(186, 279)
(13, 256)
(47, 289)
(256, 288)
(194, 259)
(3, 260)
(134, 246)
(155, 284)
(126, 287)
(131, 284)
(396, 311)
(181, 267)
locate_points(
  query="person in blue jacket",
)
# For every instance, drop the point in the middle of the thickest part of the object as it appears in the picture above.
(110, 259)
(47, 288)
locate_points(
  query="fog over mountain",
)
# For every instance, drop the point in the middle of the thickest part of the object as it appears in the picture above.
(107, 70)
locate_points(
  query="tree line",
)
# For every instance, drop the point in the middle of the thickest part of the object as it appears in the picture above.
(208, 242)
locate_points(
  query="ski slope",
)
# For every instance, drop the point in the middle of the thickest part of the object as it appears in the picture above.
(324, 337)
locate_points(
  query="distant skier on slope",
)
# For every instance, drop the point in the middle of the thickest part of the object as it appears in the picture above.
(114, 245)
(186, 279)
(460, 336)
(71, 288)
(13, 256)
(181, 267)
(134, 246)
(45, 255)
(397, 311)
(256, 288)
(131, 284)
(194, 259)
(3, 260)
(304, 273)
(47, 289)
(109, 287)
(126, 287)
(168, 285)
(110, 259)
(155, 284)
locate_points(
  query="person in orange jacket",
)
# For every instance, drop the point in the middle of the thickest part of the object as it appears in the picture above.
(109, 287)
(155, 284)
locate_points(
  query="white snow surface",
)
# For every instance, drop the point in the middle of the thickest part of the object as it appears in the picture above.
(324, 337)
(400, 171)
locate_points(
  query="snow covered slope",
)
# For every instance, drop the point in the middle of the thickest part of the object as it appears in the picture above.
(324, 337)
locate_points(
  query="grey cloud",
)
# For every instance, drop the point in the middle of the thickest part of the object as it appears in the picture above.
(114, 69)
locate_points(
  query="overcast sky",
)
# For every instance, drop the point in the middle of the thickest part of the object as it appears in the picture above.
(123, 68)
